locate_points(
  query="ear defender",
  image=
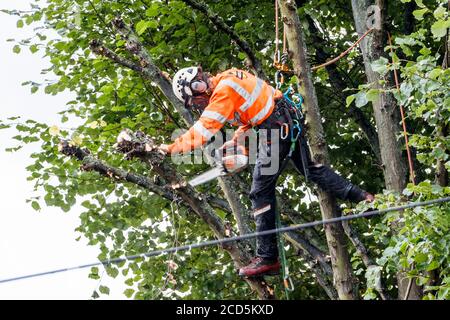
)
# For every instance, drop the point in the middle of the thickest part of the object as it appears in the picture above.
(199, 86)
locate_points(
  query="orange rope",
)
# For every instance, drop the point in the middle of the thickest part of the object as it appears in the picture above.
(408, 152)
(343, 53)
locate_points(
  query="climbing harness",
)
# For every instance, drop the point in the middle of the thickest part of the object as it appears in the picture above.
(292, 129)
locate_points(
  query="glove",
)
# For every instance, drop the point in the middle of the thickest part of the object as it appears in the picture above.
(228, 145)
(163, 148)
(368, 197)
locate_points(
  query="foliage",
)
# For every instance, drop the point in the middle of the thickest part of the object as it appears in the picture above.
(420, 243)
(121, 218)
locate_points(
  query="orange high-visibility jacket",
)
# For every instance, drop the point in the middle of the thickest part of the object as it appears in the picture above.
(239, 98)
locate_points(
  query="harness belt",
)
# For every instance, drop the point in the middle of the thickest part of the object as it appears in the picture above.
(285, 116)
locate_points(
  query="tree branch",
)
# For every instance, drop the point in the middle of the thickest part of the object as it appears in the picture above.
(179, 190)
(314, 253)
(339, 86)
(98, 48)
(322, 278)
(364, 254)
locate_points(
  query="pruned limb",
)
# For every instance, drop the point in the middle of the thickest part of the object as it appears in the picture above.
(221, 25)
(91, 163)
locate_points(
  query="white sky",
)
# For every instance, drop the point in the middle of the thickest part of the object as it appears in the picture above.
(33, 241)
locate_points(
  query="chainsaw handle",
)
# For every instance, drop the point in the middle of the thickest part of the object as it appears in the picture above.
(232, 157)
(232, 148)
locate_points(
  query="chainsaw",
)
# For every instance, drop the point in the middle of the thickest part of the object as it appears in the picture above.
(227, 161)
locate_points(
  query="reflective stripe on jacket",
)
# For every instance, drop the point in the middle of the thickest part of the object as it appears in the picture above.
(239, 98)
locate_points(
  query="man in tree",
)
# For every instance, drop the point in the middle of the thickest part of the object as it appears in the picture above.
(243, 100)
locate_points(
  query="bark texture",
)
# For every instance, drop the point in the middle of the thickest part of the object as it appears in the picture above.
(342, 271)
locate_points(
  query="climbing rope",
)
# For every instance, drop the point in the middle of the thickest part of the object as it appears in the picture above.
(402, 112)
(287, 280)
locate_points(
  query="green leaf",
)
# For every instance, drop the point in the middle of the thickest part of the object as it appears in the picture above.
(420, 257)
(361, 99)
(128, 293)
(420, 3)
(439, 13)
(380, 65)
(153, 11)
(34, 48)
(372, 95)
(425, 51)
(433, 265)
(349, 100)
(103, 289)
(111, 271)
(141, 26)
(19, 23)
(439, 28)
(435, 73)
(94, 273)
(16, 49)
(418, 14)
(36, 205)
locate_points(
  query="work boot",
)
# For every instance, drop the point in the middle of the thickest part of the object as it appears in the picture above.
(260, 267)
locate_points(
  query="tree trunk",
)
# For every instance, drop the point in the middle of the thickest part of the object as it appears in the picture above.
(342, 271)
(441, 176)
(386, 116)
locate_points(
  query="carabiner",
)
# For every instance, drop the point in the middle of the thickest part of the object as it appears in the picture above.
(284, 131)
(278, 75)
(299, 130)
(288, 284)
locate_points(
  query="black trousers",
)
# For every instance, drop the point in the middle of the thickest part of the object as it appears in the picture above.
(262, 192)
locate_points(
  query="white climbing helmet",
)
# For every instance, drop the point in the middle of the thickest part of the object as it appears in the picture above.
(181, 83)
